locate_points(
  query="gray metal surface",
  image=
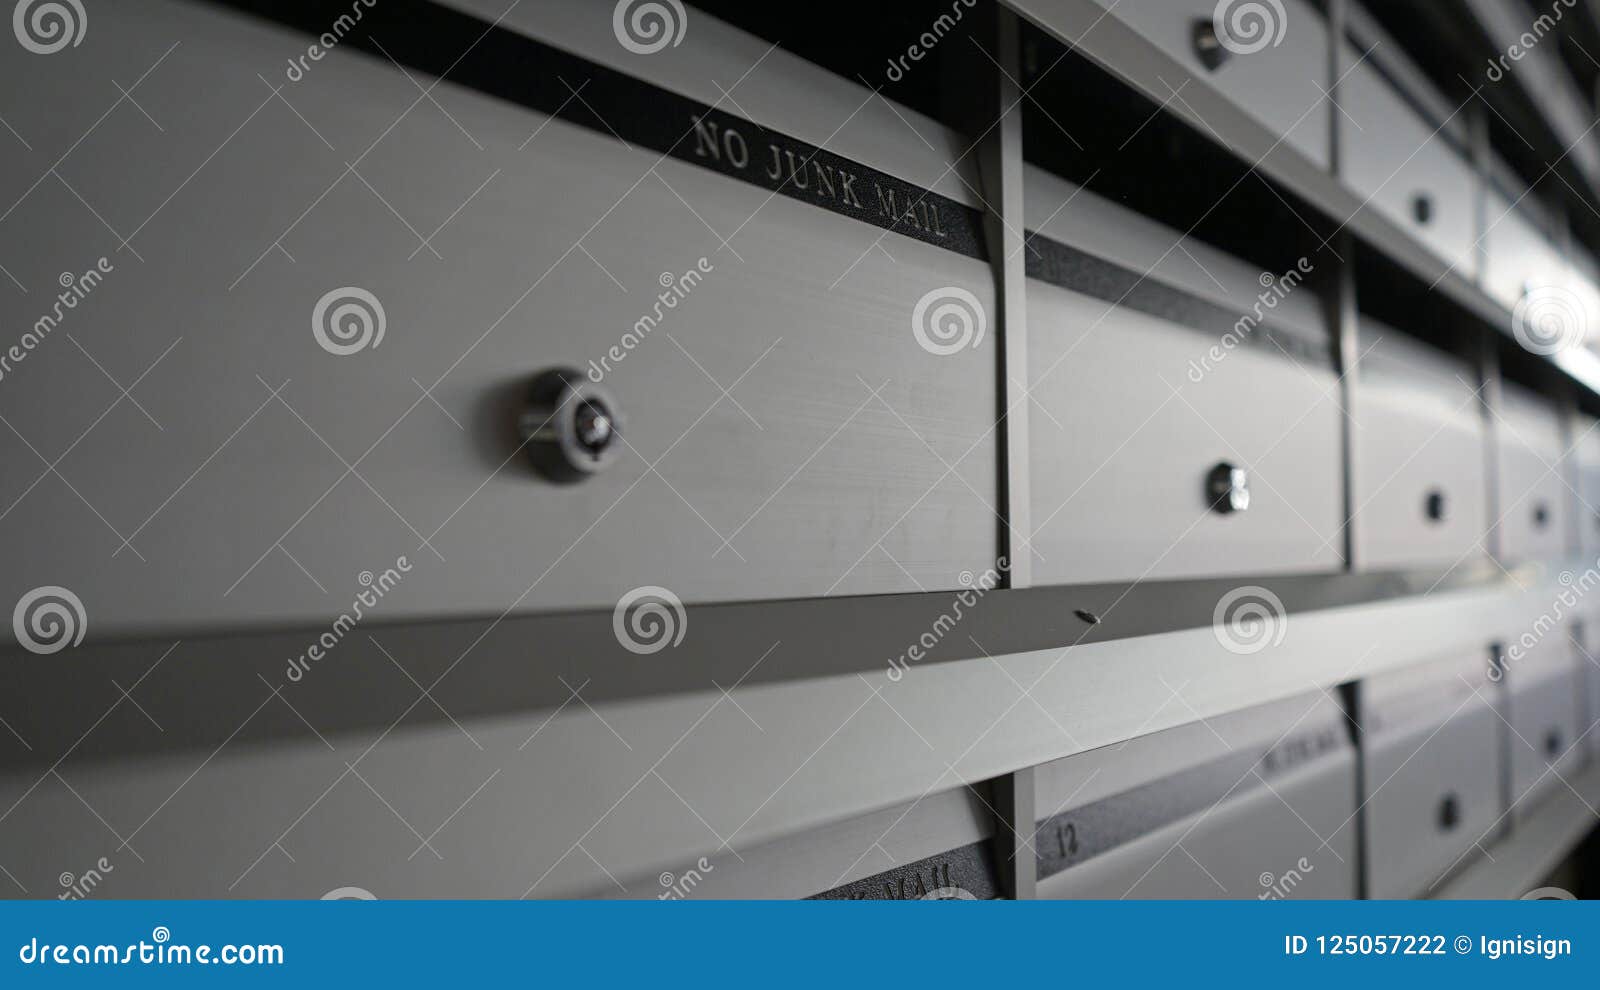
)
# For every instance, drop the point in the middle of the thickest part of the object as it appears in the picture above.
(1132, 412)
(1431, 740)
(1392, 156)
(1281, 85)
(274, 472)
(1544, 707)
(1420, 432)
(1534, 498)
(1278, 820)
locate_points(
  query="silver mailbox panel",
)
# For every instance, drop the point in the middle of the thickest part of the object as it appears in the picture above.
(1410, 169)
(1520, 257)
(1421, 481)
(1282, 83)
(842, 458)
(1534, 499)
(1585, 449)
(1544, 706)
(1259, 803)
(1134, 407)
(1432, 742)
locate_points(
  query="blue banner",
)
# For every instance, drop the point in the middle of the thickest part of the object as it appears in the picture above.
(792, 944)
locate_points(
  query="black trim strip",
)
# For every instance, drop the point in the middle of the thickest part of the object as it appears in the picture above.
(502, 63)
(525, 662)
(1072, 837)
(964, 873)
(1078, 271)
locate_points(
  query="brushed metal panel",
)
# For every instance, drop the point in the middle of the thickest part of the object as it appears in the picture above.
(1534, 499)
(1295, 841)
(1432, 745)
(843, 458)
(1124, 440)
(1391, 156)
(1421, 431)
(1282, 85)
(1586, 451)
(1520, 256)
(1544, 706)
